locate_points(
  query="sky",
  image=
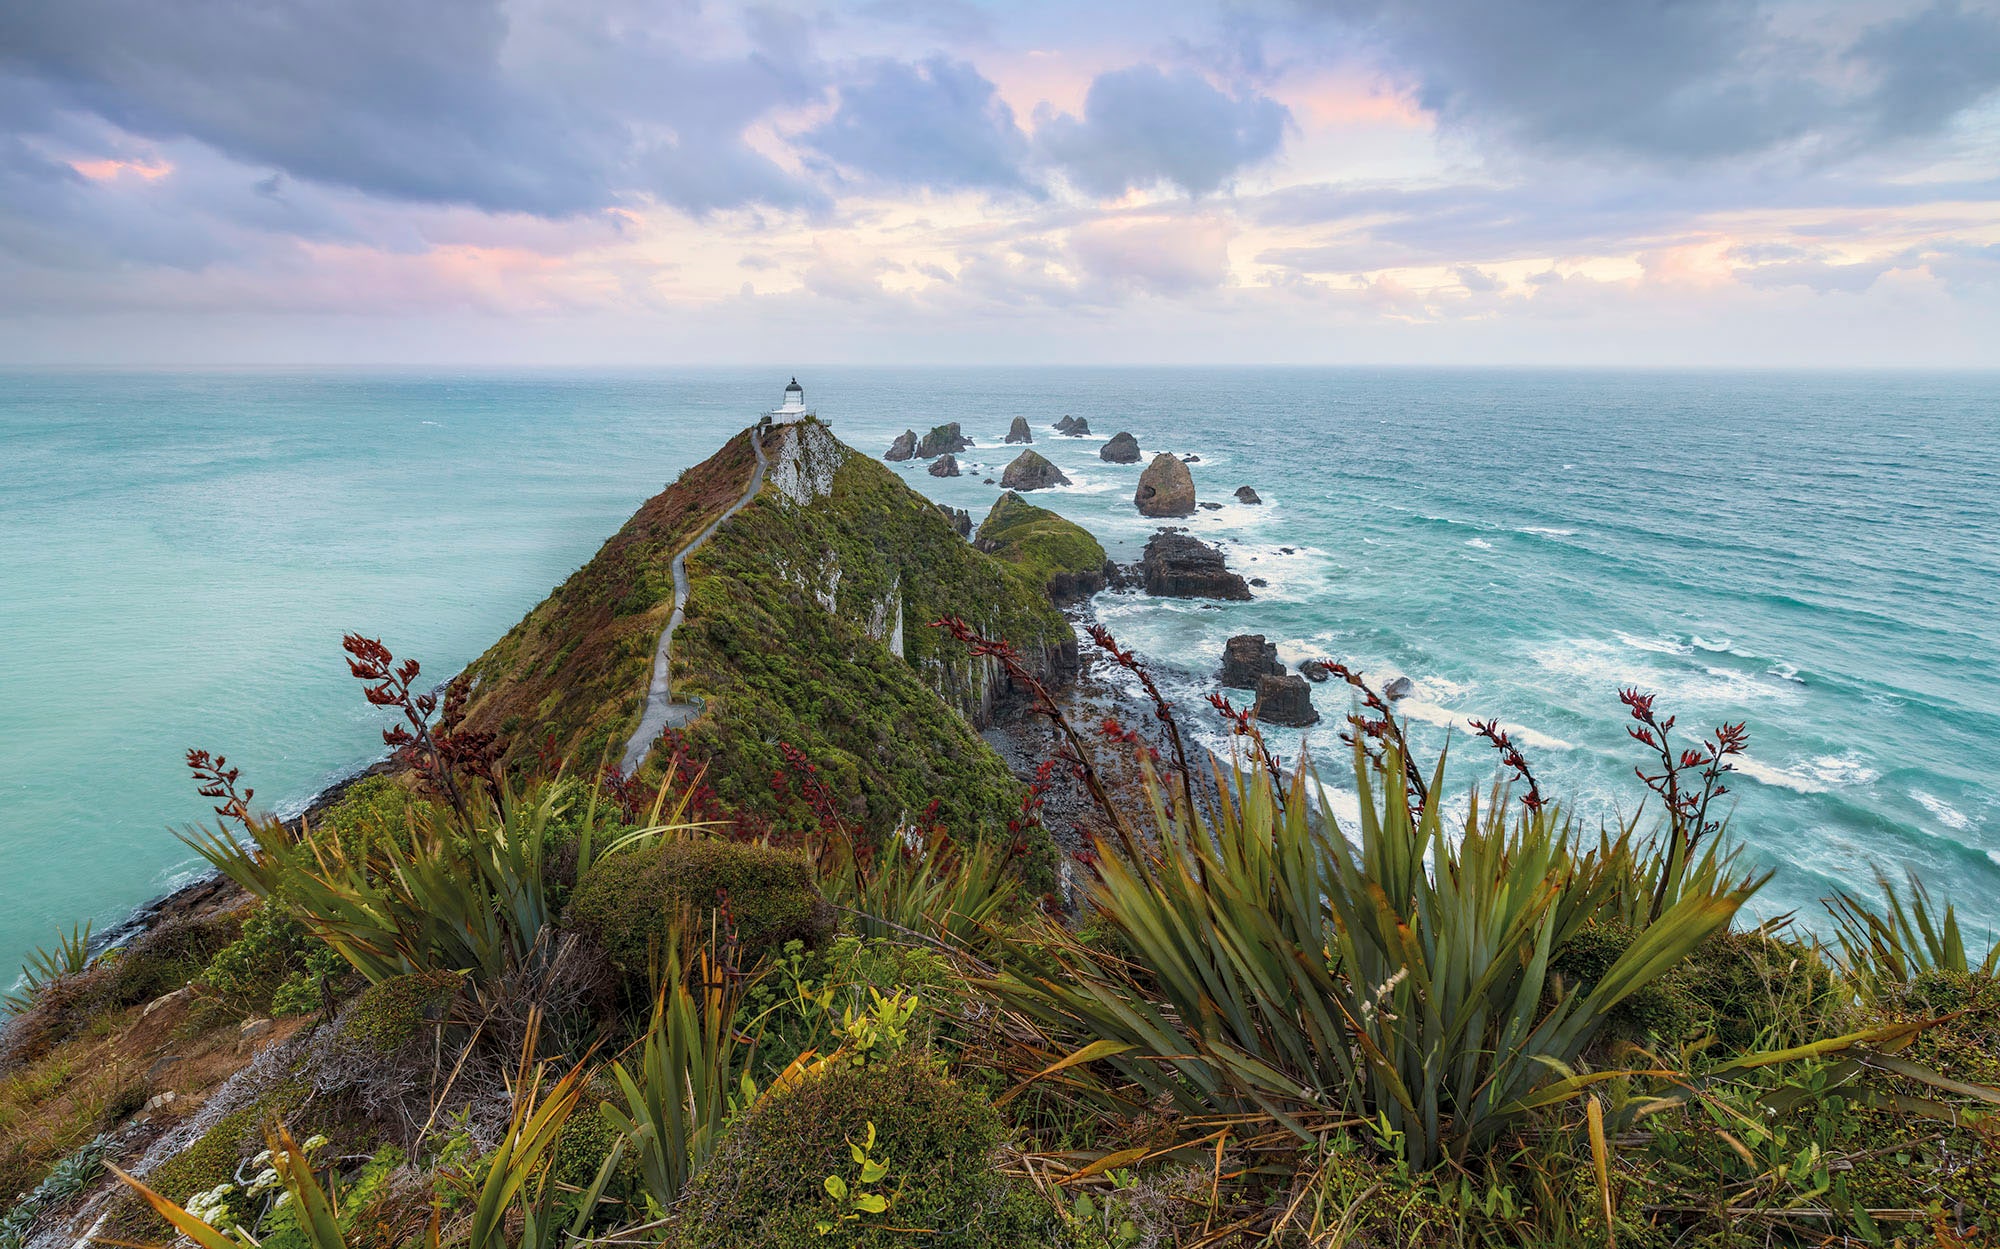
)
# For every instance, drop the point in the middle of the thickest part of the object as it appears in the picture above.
(1801, 183)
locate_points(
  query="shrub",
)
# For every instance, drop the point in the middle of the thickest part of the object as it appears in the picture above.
(632, 903)
(767, 1184)
(388, 1015)
(374, 811)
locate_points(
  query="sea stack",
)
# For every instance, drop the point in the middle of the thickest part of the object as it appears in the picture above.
(1166, 488)
(1245, 494)
(1285, 700)
(1122, 449)
(945, 465)
(1018, 431)
(1246, 658)
(1177, 566)
(942, 440)
(1064, 425)
(904, 447)
(1032, 471)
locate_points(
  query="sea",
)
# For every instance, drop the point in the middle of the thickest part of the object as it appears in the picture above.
(1815, 554)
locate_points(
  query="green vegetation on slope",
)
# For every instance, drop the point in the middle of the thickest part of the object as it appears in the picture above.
(1058, 554)
(574, 671)
(793, 614)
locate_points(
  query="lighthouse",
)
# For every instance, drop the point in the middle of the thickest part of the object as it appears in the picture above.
(793, 408)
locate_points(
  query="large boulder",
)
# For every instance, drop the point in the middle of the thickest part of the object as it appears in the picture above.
(1166, 488)
(1018, 431)
(1398, 687)
(1285, 699)
(1177, 566)
(1247, 657)
(1122, 449)
(1031, 471)
(1245, 494)
(945, 465)
(942, 440)
(1078, 428)
(904, 447)
(1064, 425)
(1059, 554)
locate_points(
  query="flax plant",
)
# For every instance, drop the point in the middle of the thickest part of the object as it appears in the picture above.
(467, 893)
(1400, 977)
(1903, 941)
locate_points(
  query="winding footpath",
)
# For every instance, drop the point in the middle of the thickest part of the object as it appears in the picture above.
(662, 712)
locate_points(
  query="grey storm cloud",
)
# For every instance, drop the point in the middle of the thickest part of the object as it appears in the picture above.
(1691, 80)
(939, 123)
(1142, 126)
(548, 111)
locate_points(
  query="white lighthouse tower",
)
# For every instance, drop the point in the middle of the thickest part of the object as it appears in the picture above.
(793, 408)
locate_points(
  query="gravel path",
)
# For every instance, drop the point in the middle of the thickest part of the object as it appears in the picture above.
(662, 712)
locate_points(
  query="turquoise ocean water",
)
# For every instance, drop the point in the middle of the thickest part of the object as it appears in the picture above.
(1817, 554)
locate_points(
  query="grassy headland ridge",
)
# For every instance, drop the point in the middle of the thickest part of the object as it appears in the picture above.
(808, 979)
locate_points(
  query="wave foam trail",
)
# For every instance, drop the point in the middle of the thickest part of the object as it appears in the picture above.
(1765, 774)
(1949, 816)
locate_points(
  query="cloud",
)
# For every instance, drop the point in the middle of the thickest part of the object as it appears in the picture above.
(1683, 82)
(1170, 257)
(544, 109)
(1142, 126)
(937, 124)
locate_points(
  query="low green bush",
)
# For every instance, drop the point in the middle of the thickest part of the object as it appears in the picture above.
(630, 903)
(389, 1014)
(780, 1173)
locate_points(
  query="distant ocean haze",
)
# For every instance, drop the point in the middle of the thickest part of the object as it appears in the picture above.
(1813, 553)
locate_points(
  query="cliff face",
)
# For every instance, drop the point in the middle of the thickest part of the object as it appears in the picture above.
(806, 623)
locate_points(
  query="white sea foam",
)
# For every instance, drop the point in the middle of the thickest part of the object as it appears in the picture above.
(1847, 769)
(1481, 543)
(1547, 531)
(1603, 666)
(1765, 774)
(1719, 646)
(1785, 672)
(1949, 816)
(1663, 646)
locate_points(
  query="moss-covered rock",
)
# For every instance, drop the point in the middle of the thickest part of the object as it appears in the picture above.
(630, 902)
(1058, 554)
(392, 1013)
(766, 1188)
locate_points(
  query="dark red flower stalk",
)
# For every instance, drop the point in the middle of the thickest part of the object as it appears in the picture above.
(439, 754)
(1243, 724)
(1687, 799)
(1073, 754)
(1163, 710)
(1512, 759)
(216, 779)
(1382, 726)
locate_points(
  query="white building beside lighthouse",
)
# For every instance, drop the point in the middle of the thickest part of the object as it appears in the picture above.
(793, 408)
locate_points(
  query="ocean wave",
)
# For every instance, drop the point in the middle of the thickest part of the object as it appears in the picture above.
(1547, 531)
(1720, 646)
(1765, 774)
(1847, 769)
(1481, 543)
(1949, 816)
(1443, 717)
(1606, 666)
(1660, 646)
(1785, 672)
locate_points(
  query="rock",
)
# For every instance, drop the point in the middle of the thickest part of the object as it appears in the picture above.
(1177, 566)
(1062, 426)
(945, 465)
(1245, 494)
(1117, 576)
(1166, 488)
(1314, 670)
(1210, 507)
(1259, 582)
(942, 440)
(1284, 700)
(1079, 428)
(1190, 459)
(1122, 449)
(1245, 658)
(1399, 687)
(961, 520)
(1286, 550)
(1031, 471)
(989, 481)
(178, 995)
(904, 447)
(1018, 431)
(253, 1027)
(158, 1100)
